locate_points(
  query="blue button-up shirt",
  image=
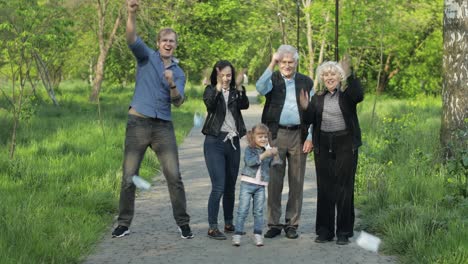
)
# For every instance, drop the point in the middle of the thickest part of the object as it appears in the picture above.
(152, 92)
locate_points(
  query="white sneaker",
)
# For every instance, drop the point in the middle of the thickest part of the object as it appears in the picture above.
(236, 240)
(258, 240)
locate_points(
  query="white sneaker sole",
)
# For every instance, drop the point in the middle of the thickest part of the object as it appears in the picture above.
(125, 233)
(185, 237)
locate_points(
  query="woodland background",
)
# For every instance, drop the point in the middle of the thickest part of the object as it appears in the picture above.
(66, 78)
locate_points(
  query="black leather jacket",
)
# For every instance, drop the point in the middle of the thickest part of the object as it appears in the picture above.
(216, 107)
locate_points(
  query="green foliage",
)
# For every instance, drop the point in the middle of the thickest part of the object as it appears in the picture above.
(407, 33)
(215, 30)
(246, 32)
(30, 30)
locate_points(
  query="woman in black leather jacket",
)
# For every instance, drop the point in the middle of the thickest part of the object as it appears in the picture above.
(224, 97)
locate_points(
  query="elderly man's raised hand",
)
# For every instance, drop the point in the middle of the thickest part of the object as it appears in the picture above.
(275, 58)
(132, 5)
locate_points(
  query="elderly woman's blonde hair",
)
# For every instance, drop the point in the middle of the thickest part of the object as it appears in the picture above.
(330, 66)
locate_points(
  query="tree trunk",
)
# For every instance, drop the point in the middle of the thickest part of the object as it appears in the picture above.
(103, 47)
(386, 75)
(322, 50)
(45, 77)
(310, 48)
(11, 152)
(383, 78)
(98, 76)
(455, 77)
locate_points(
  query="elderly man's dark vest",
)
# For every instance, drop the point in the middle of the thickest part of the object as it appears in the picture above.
(275, 101)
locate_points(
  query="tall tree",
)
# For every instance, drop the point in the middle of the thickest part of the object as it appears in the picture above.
(455, 77)
(317, 20)
(105, 40)
(310, 44)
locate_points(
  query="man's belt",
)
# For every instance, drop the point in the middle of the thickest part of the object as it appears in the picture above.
(295, 127)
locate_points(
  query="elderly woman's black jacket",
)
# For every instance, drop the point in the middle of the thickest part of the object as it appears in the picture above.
(348, 100)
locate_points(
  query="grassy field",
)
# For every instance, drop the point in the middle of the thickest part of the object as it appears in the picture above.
(60, 192)
(407, 196)
(61, 189)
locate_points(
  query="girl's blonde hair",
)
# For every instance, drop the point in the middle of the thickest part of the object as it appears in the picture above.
(257, 129)
(330, 66)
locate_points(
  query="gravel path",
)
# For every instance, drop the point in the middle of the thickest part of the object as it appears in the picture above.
(155, 237)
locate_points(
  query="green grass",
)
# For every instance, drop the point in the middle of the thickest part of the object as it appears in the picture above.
(403, 188)
(60, 192)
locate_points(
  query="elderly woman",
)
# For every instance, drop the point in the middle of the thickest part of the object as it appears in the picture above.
(336, 138)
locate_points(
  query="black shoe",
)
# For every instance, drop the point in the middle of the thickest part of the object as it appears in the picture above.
(342, 240)
(216, 234)
(291, 232)
(185, 231)
(120, 231)
(323, 239)
(229, 228)
(272, 232)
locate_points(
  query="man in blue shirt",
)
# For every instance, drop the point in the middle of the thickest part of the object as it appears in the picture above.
(160, 82)
(284, 117)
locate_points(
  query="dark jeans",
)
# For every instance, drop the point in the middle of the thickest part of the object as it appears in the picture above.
(222, 161)
(159, 135)
(336, 167)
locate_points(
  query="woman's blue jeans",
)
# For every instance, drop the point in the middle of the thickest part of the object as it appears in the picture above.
(222, 161)
(256, 193)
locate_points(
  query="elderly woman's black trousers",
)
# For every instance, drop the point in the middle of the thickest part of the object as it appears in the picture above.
(336, 163)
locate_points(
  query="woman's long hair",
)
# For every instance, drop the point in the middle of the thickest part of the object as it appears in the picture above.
(221, 65)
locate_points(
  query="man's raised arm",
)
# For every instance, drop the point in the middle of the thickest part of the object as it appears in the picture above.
(132, 7)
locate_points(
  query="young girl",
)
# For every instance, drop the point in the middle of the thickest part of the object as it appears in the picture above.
(254, 178)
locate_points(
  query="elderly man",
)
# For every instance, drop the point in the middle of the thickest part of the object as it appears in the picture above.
(160, 82)
(284, 117)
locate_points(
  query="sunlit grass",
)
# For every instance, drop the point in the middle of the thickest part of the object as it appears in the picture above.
(61, 189)
(402, 184)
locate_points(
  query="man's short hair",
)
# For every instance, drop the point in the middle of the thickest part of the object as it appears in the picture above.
(164, 32)
(283, 49)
